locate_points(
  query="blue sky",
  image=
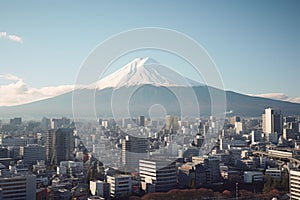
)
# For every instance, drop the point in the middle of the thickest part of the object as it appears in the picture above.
(255, 44)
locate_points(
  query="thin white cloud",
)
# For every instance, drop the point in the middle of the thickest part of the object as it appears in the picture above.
(18, 92)
(3, 34)
(12, 37)
(278, 96)
(10, 77)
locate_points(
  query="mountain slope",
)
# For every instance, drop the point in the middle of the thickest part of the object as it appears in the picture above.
(146, 83)
(143, 99)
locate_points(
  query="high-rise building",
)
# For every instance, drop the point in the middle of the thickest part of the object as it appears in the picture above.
(17, 187)
(172, 124)
(256, 136)
(289, 119)
(272, 121)
(211, 166)
(290, 129)
(120, 185)
(33, 153)
(133, 149)
(60, 145)
(49, 144)
(60, 123)
(16, 121)
(199, 138)
(45, 123)
(142, 121)
(294, 185)
(234, 119)
(238, 127)
(157, 175)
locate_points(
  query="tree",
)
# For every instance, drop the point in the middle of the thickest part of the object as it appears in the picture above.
(284, 182)
(226, 194)
(246, 193)
(268, 184)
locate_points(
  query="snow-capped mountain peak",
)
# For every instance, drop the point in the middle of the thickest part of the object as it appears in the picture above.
(142, 71)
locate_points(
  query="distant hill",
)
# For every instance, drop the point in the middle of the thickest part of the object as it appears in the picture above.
(143, 99)
(139, 85)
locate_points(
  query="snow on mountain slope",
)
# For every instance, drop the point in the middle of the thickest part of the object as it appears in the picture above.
(143, 71)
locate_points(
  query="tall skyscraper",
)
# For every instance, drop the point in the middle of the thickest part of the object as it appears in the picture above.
(142, 121)
(49, 144)
(157, 175)
(133, 149)
(60, 145)
(272, 122)
(199, 138)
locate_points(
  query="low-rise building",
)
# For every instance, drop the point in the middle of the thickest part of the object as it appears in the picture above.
(99, 188)
(274, 173)
(120, 185)
(253, 176)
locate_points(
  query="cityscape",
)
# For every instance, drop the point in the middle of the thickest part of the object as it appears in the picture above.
(150, 100)
(252, 158)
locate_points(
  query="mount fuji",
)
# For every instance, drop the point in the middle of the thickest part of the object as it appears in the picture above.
(144, 71)
(146, 83)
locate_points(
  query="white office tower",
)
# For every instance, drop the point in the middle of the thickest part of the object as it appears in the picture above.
(120, 185)
(272, 121)
(294, 185)
(157, 175)
(17, 187)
